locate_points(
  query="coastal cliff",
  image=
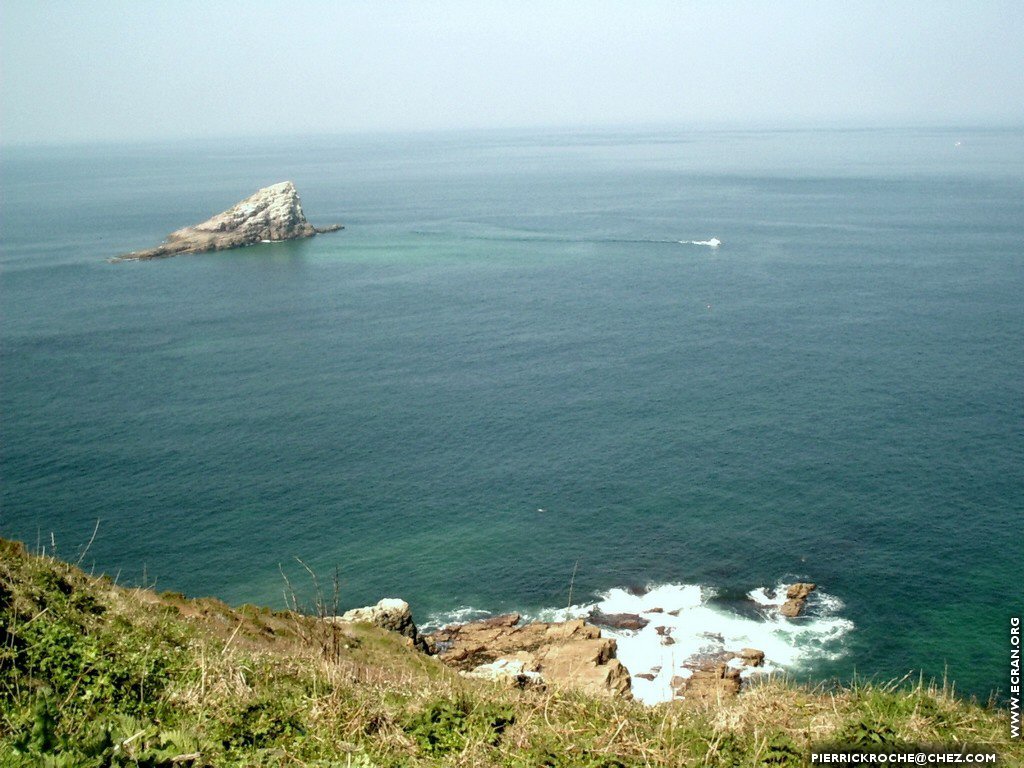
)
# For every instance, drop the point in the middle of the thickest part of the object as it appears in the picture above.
(93, 673)
(272, 214)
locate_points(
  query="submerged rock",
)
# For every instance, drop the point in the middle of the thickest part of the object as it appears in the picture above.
(630, 621)
(272, 214)
(570, 654)
(796, 599)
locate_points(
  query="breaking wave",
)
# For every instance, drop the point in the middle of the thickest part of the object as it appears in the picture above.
(688, 623)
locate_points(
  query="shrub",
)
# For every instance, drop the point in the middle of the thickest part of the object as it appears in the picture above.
(448, 726)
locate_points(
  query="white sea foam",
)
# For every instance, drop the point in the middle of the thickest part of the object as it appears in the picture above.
(700, 627)
(714, 242)
(461, 615)
(762, 598)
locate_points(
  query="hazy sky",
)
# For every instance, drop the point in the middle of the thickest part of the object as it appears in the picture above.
(147, 70)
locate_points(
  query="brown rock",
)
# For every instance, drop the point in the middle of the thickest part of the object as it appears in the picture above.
(570, 653)
(574, 628)
(710, 683)
(800, 590)
(588, 665)
(751, 657)
(796, 599)
(792, 608)
(631, 621)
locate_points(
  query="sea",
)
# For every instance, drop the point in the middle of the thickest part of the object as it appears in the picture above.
(543, 371)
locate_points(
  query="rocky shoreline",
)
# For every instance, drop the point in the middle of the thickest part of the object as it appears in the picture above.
(572, 654)
(568, 653)
(273, 214)
(98, 673)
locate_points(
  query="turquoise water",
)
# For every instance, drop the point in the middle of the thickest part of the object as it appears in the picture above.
(510, 324)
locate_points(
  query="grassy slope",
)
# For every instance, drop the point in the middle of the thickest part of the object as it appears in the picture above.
(92, 674)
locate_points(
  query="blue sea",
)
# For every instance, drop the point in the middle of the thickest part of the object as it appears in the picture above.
(521, 379)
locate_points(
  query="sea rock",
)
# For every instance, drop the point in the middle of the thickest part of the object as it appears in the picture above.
(800, 590)
(272, 214)
(391, 614)
(796, 599)
(631, 621)
(571, 654)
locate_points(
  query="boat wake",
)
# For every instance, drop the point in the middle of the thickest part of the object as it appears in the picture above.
(714, 242)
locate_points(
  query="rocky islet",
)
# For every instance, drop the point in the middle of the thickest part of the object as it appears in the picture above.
(272, 214)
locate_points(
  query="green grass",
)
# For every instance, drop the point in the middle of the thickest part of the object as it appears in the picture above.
(92, 674)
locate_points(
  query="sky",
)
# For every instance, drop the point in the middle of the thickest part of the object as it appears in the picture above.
(109, 71)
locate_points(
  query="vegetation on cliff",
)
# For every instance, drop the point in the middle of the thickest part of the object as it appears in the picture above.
(92, 674)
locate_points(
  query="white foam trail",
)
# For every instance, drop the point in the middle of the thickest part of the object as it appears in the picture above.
(714, 242)
(699, 628)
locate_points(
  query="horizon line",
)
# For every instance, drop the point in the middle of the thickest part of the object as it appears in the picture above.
(557, 128)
